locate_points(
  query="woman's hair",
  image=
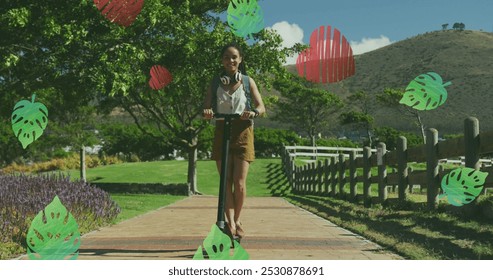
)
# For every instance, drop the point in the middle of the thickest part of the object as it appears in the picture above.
(241, 67)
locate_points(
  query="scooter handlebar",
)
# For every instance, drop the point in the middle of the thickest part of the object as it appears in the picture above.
(230, 116)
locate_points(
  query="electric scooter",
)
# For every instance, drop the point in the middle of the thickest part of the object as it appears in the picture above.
(220, 222)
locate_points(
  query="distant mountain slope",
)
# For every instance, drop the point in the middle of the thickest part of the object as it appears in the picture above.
(463, 57)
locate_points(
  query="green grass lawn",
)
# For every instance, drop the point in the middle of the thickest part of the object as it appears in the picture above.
(133, 205)
(263, 177)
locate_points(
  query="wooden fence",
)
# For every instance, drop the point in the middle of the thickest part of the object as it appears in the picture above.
(333, 175)
(317, 152)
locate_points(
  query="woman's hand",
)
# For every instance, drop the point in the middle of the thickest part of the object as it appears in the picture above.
(208, 114)
(247, 115)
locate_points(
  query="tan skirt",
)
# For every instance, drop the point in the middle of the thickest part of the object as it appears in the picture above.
(241, 143)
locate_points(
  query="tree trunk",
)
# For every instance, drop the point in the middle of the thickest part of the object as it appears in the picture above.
(83, 164)
(368, 133)
(313, 140)
(192, 167)
(192, 171)
(421, 127)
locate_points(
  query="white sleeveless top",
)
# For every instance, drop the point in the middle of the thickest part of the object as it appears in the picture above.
(231, 104)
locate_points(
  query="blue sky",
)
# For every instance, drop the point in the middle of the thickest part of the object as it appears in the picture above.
(369, 24)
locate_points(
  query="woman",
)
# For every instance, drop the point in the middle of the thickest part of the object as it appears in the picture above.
(229, 97)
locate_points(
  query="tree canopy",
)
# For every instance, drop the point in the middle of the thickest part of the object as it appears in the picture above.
(360, 115)
(390, 97)
(304, 106)
(74, 59)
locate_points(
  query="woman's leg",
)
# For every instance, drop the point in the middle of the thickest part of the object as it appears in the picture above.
(229, 206)
(240, 173)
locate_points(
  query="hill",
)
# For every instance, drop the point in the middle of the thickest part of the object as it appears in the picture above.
(463, 57)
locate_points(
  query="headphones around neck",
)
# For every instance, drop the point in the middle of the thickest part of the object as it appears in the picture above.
(226, 79)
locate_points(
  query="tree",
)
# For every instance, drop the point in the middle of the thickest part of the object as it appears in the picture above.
(71, 49)
(459, 26)
(45, 49)
(390, 137)
(391, 97)
(186, 39)
(304, 106)
(365, 104)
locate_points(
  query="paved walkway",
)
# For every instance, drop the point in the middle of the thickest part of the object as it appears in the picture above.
(274, 228)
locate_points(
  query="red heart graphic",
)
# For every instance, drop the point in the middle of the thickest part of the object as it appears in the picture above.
(122, 12)
(328, 60)
(160, 77)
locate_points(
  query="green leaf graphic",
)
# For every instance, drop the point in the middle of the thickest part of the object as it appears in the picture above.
(217, 247)
(245, 17)
(425, 92)
(29, 120)
(53, 234)
(462, 185)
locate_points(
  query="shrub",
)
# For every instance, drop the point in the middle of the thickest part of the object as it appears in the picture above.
(22, 197)
(128, 139)
(71, 162)
(332, 142)
(389, 136)
(452, 136)
(269, 141)
(206, 139)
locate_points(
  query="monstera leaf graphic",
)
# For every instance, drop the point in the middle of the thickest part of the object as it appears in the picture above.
(160, 77)
(329, 59)
(425, 92)
(217, 247)
(121, 12)
(245, 17)
(29, 120)
(54, 234)
(462, 186)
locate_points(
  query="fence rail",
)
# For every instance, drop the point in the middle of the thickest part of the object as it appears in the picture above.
(322, 151)
(332, 175)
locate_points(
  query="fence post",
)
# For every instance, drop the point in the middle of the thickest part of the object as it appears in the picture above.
(295, 185)
(394, 186)
(305, 179)
(382, 172)
(471, 141)
(352, 175)
(292, 177)
(433, 181)
(313, 174)
(283, 158)
(320, 177)
(287, 160)
(342, 174)
(326, 176)
(366, 176)
(300, 180)
(402, 170)
(333, 174)
(290, 168)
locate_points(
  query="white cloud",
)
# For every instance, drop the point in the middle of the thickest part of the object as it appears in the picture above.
(290, 34)
(369, 44)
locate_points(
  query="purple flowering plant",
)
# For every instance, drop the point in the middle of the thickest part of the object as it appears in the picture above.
(23, 196)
